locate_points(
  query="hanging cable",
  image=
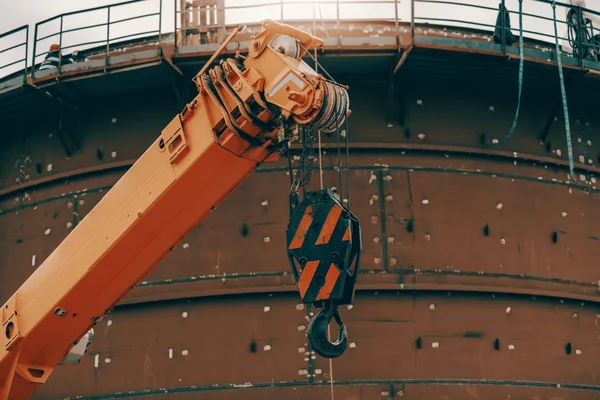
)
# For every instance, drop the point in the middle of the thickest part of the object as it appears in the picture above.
(521, 67)
(563, 94)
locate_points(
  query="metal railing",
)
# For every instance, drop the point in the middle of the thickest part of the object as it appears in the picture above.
(538, 25)
(211, 24)
(100, 34)
(216, 21)
(16, 50)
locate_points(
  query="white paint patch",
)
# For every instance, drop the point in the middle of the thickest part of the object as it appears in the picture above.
(96, 360)
(184, 352)
(184, 314)
(69, 225)
(185, 245)
(578, 352)
(302, 372)
(291, 77)
(352, 345)
(170, 353)
(421, 136)
(318, 371)
(49, 167)
(511, 346)
(266, 239)
(33, 260)
(425, 201)
(432, 307)
(113, 120)
(47, 231)
(558, 152)
(508, 309)
(420, 102)
(267, 308)
(107, 360)
(564, 214)
(299, 306)
(301, 349)
(350, 306)
(109, 322)
(502, 241)
(435, 344)
(492, 108)
(499, 206)
(113, 154)
(265, 203)
(301, 327)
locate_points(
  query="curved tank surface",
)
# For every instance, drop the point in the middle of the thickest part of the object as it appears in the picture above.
(479, 275)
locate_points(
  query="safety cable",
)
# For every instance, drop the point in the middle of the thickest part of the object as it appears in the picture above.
(521, 67)
(563, 94)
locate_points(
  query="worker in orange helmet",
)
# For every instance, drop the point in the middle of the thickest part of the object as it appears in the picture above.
(54, 58)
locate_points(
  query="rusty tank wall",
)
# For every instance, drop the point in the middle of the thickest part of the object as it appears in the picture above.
(479, 276)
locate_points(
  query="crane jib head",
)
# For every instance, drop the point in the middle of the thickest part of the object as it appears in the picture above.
(256, 102)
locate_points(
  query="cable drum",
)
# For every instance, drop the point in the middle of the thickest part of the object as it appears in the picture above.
(335, 108)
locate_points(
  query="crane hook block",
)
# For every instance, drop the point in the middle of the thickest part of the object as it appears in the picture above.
(324, 249)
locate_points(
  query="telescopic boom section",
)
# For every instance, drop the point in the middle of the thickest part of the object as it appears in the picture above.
(243, 116)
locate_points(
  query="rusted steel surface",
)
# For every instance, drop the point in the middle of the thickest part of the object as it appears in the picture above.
(464, 243)
(488, 340)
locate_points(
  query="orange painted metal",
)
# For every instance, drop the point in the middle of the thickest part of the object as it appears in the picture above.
(329, 225)
(330, 280)
(199, 159)
(304, 226)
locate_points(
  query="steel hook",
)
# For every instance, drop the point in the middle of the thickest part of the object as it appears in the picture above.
(317, 332)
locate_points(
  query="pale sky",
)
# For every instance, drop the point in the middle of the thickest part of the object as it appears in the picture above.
(16, 13)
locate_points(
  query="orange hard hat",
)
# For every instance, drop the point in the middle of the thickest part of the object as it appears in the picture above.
(54, 47)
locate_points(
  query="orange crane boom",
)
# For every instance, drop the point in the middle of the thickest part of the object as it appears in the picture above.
(242, 116)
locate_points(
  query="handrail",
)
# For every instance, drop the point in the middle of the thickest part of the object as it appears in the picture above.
(414, 12)
(535, 26)
(13, 34)
(109, 24)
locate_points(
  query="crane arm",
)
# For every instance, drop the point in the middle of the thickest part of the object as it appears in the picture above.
(241, 117)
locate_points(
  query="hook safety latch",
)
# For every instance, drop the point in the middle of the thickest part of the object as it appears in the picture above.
(318, 336)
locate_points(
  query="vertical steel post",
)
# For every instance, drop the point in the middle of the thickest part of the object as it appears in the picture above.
(396, 22)
(580, 33)
(503, 30)
(35, 33)
(412, 20)
(60, 45)
(159, 20)
(174, 27)
(281, 9)
(107, 35)
(26, 52)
